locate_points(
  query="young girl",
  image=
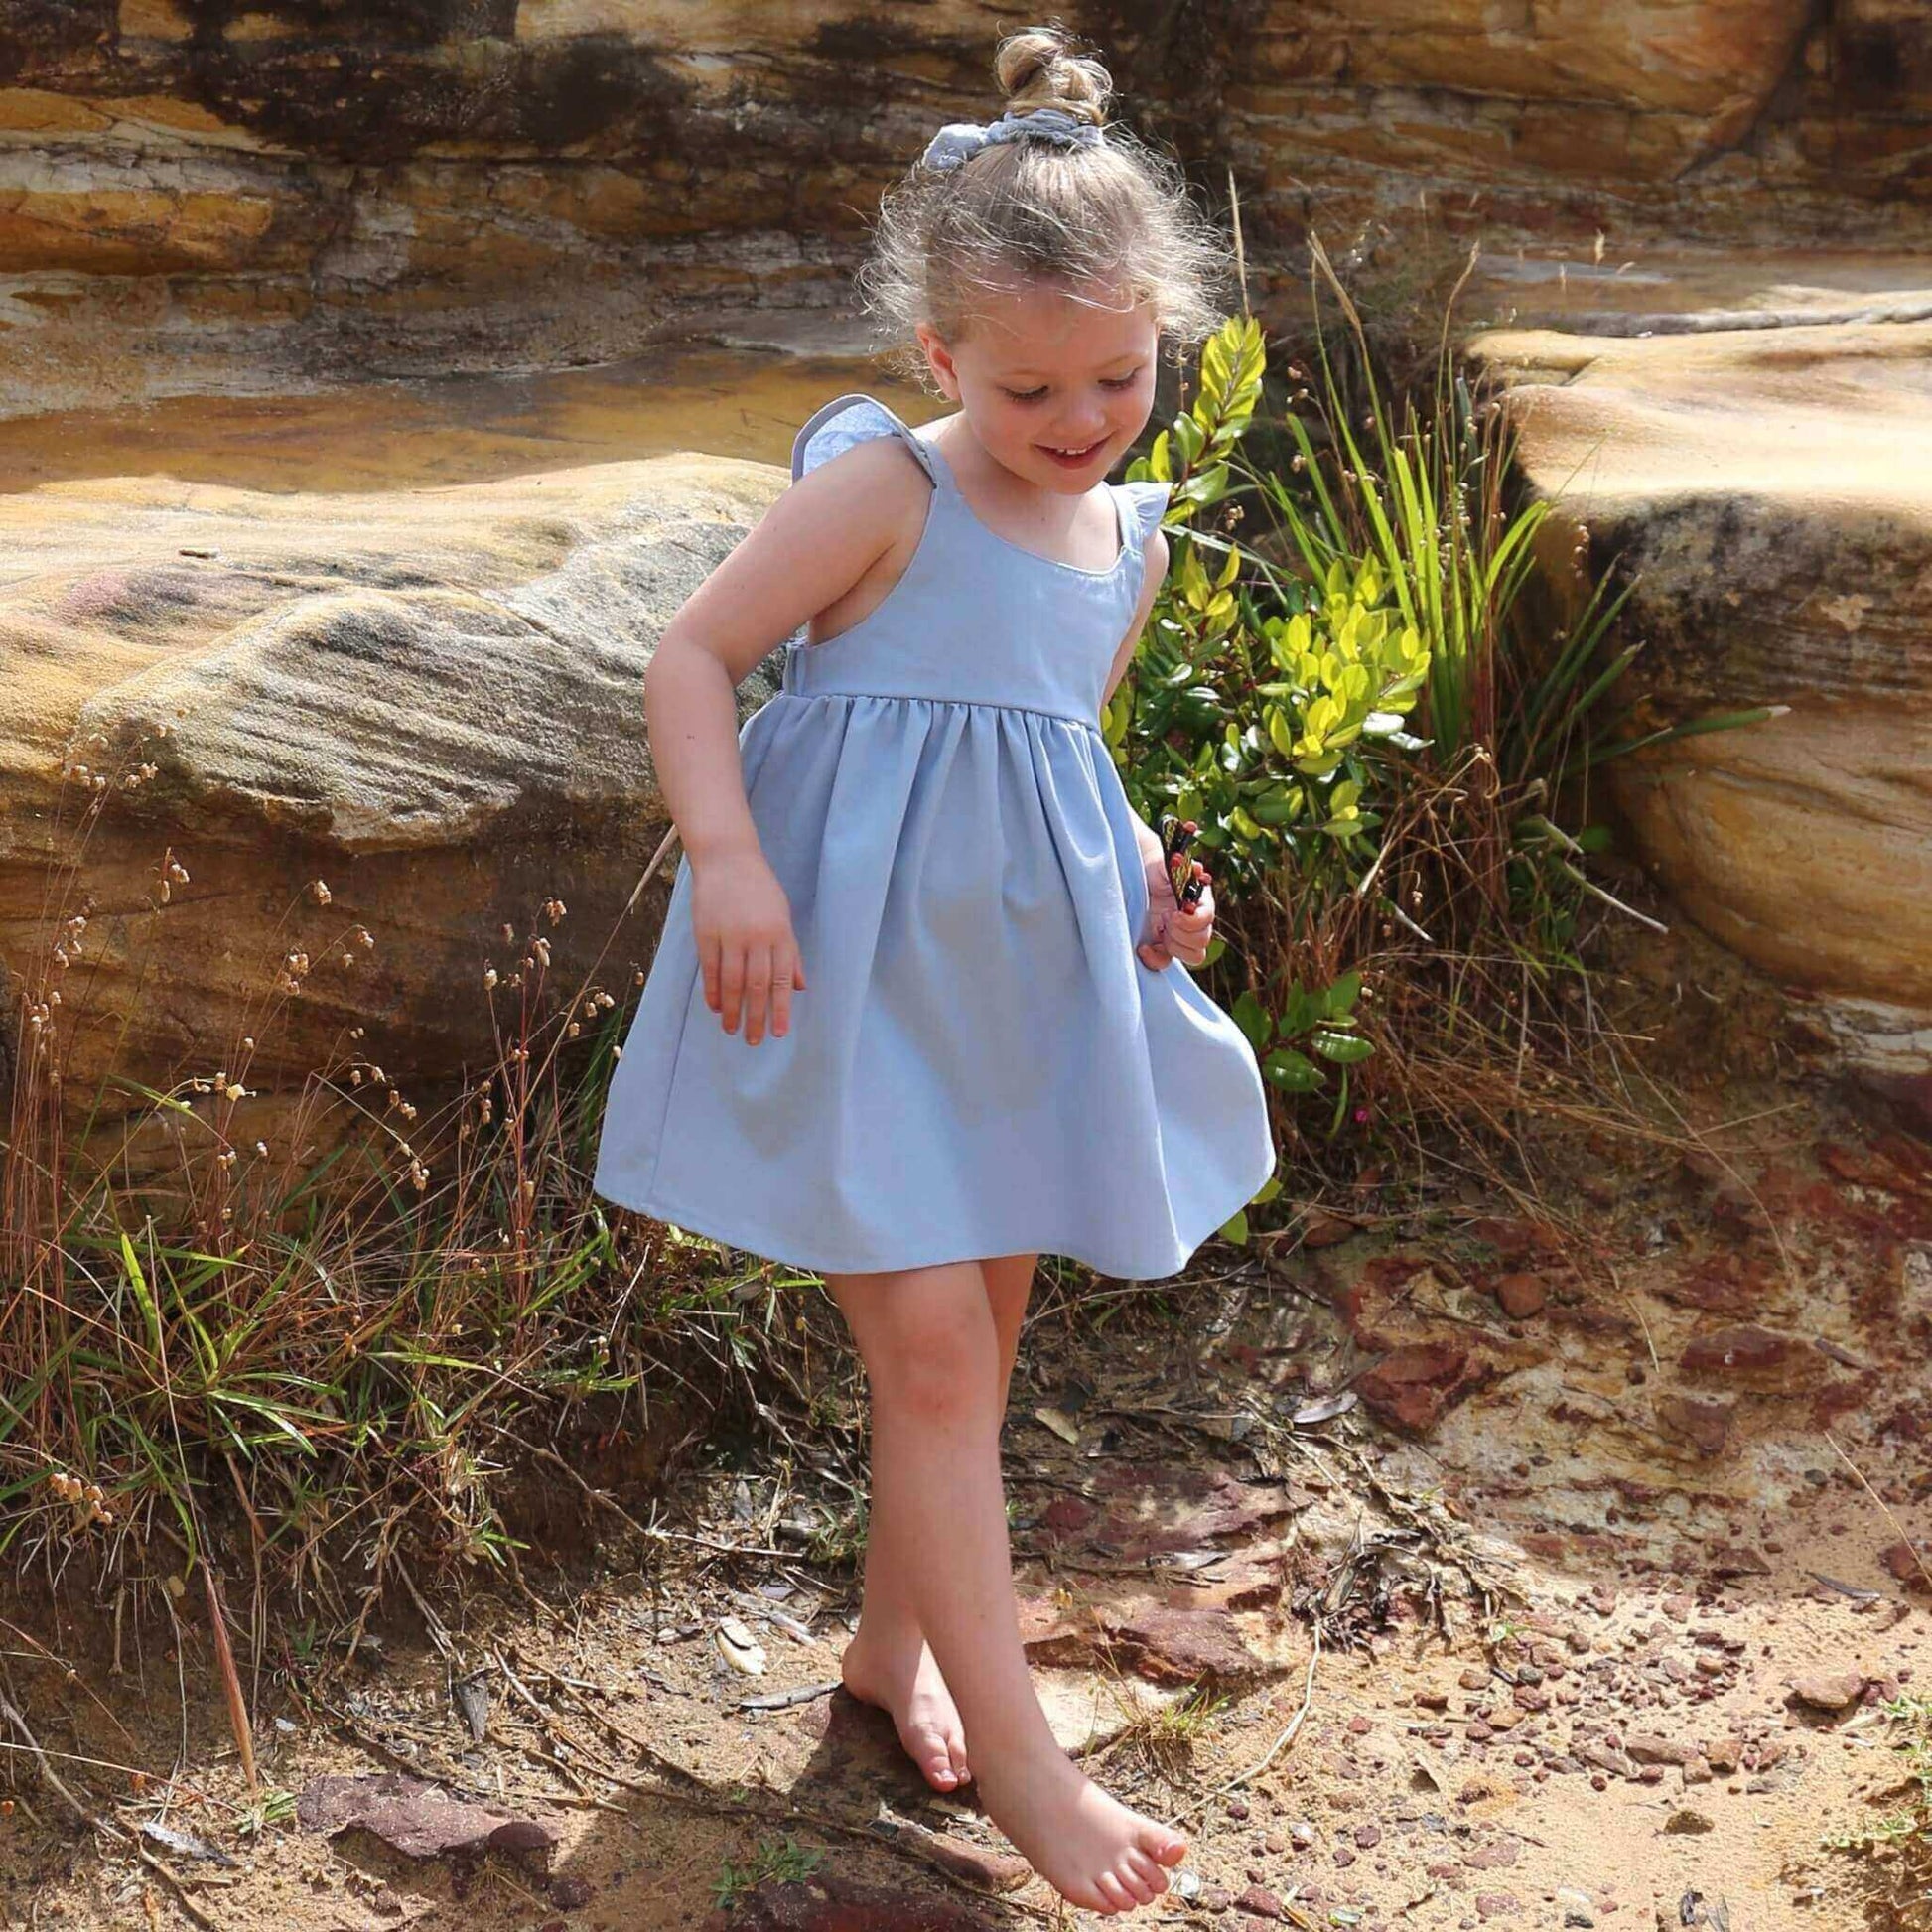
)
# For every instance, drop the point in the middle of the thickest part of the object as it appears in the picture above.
(914, 881)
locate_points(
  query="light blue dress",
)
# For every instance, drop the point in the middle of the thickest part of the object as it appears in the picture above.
(979, 1064)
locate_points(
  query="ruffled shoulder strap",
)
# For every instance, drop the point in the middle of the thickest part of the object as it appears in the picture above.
(1146, 504)
(857, 417)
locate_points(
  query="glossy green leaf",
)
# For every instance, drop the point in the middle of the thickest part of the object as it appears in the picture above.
(1292, 1071)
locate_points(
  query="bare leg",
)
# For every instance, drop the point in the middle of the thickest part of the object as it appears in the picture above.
(932, 1356)
(887, 1663)
(1009, 1286)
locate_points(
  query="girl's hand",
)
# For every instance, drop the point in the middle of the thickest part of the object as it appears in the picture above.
(1172, 933)
(742, 922)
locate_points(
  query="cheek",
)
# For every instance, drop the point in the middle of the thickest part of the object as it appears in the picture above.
(1013, 425)
(993, 414)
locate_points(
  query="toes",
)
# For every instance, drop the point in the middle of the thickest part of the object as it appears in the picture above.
(1164, 1846)
(1118, 1899)
(930, 1752)
(961, 1771)
(1138, 1865)
(1138, 1888)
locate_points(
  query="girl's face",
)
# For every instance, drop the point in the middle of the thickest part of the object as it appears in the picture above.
(1056, 388)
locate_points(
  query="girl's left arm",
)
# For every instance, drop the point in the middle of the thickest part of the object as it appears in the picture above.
(1170, 933)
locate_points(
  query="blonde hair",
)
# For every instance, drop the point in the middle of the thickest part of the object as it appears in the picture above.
(1113, 214)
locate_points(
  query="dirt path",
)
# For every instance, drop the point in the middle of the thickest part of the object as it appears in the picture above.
(1605, 1613)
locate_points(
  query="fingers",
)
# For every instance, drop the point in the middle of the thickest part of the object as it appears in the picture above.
(747, 947)
(1188, 937)
(754, 984)
(732, 985)
(757, 992)
(1193, 927)
(1178, 932)
(713, 961)
(783, 984)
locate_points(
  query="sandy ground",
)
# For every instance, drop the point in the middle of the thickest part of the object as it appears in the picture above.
(1571, 1598)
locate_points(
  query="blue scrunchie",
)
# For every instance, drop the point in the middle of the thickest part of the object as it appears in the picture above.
(959, 141)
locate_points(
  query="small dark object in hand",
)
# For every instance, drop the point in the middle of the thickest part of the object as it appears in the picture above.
(1176, 837)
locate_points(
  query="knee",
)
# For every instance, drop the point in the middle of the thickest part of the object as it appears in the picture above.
(937, 1367)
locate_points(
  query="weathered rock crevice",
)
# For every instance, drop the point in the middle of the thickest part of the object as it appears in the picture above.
(1770, 493)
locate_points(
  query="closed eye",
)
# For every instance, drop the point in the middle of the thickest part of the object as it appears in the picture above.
(1106, 383)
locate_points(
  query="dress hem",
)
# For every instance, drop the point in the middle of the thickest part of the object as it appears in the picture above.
(768, 1246)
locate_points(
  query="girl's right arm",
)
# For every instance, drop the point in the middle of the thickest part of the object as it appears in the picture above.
(826, 533)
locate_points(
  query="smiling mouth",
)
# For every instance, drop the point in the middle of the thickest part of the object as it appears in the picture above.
(1074, 458)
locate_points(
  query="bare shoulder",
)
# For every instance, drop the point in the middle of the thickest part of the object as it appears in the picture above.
(1155, 551)
(838, 529)
(875, 484)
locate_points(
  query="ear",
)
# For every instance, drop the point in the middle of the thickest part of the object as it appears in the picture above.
(938, 358)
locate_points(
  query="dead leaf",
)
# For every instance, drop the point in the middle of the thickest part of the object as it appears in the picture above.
(1324, 1410)
(183, 1843)
(471, 1695)
(417, 1819)
(739, 1649)
(1052, 1419)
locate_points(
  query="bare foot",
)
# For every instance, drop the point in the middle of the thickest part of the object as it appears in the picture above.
(1089, 1847)
(899, 1675)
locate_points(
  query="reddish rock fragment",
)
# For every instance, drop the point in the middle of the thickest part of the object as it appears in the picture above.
(1515, 1242)
(1522, 1295)
(1721, 1284)
(1498, 1852)
(1830, 1689)
(1411, 1386)
(1909, 1564)
(1657, 1750)
(1388, 1272)
(974, 1864)
(1167, 1646)
(1755, 1358)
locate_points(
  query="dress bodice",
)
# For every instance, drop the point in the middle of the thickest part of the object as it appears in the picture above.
(975, 619)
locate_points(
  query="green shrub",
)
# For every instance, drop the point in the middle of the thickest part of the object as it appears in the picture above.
(1367, 704)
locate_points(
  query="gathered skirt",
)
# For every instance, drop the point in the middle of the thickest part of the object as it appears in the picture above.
(979, 1064)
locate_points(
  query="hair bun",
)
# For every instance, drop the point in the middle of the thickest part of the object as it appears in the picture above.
(1036, 70)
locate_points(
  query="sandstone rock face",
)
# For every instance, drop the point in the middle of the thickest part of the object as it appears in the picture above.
(1772, 490)
(429, 700)
(187, 187)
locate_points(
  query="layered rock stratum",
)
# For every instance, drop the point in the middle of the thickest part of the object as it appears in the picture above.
(1763, 473)
(200, 194)
(428, 702)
